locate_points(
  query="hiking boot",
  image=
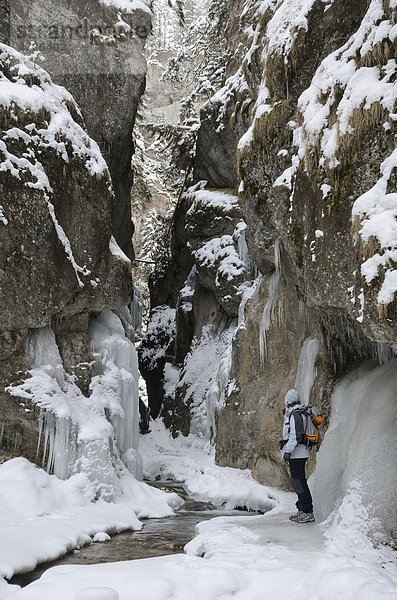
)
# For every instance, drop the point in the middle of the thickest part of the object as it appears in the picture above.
(305, 518)
(295, 516)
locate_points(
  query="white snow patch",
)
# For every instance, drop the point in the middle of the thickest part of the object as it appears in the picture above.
(3, 218)
(43, 517)
(203, 199)
(117, 251)
(246, 558)
(325, 189)
(161, 325)
(377, 211)
(285, 24)
(128, 6)
(101, 536)
(191, 460)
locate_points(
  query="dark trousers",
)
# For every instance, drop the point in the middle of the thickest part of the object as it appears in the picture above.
(299, 483)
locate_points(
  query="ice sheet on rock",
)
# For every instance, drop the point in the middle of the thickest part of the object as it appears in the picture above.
(118, 381)
(136, 308)
(75, 430)
(205, 374)
(361, 445)
(306, 373)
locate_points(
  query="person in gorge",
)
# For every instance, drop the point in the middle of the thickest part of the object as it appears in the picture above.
(296, 454)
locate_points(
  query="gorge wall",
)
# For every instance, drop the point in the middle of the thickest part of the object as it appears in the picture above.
(65, 231)
(302, 137)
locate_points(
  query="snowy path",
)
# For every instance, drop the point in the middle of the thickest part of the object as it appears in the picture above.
(244, 558)
(241, 555)
(231, 558)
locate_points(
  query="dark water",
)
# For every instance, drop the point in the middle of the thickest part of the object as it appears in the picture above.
(158, 537)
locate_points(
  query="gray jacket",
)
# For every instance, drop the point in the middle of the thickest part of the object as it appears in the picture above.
(296, 450)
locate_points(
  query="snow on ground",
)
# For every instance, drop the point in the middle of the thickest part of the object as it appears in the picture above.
(192, 460)
(43, 517)
(244, 558)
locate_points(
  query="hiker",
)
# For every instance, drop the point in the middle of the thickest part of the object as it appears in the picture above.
(297, 454)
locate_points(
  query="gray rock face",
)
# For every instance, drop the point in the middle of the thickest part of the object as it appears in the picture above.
(284, 129)
(312, 215)
(55, 227)
(201, 279)
(96, 52)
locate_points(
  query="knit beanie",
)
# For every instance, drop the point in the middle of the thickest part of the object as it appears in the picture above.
(291, 397)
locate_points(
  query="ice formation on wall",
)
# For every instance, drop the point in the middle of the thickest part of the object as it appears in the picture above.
(360, 445)
(273, 304)
(306, 373)
(117, 365)
(91, 435)
(206, 373)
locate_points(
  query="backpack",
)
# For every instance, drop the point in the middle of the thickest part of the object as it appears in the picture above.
(309, 435)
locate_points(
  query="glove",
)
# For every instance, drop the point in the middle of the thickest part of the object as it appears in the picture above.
(287, 456)
(282, 443)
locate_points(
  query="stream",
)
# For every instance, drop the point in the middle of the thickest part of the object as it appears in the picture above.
(157, 537)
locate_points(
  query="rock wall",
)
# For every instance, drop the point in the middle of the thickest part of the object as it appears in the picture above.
(95, 50)
(62, 204)
(314, 171)
(304, 129)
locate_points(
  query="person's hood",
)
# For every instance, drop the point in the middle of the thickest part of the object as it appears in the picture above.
(291, 408)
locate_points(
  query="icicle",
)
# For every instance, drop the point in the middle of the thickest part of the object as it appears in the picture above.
(306, 372)
(243, 251)
(216, 394)
(136, 308)
(303, 310)
(46, 435)
(50, 463)
(383, 353)
(276, 287)
(41, 420)
(2, 432)
(16, 441)
(277, 254)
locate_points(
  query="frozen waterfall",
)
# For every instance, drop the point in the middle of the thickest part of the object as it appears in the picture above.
(274, 304)
(117, 363)
(306, 373)
(361, 446)
(93, 435)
